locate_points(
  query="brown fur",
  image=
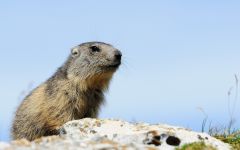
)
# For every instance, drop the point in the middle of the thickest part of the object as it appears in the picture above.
(64, 97)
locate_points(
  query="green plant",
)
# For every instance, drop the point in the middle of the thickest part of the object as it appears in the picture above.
(226, 133)
(196, 146)
(232, 139)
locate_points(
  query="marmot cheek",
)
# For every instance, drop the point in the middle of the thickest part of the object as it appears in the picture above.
(87, 61)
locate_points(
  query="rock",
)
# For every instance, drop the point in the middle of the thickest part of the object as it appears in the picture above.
(115, 134)
(4, 145)
(137, 135)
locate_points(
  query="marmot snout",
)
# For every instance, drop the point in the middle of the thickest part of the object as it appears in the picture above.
(75, 91)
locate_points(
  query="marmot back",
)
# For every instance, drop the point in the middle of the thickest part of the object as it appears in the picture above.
(75, 91)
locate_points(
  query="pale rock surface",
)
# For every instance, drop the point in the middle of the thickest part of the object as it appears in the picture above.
(4, 145)
(88, 134)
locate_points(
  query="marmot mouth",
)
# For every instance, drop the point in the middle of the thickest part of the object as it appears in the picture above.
(115, 65)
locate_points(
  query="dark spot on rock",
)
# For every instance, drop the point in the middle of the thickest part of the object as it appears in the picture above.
(157, 137)
(62, 131)
(93, 131)
(199, 137)
(106, 136)
(153, 138)
(115, 135)
(174, 141)
(154, 142)
(98, 124)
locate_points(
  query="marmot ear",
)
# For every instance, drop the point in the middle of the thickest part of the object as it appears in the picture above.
(75, 52)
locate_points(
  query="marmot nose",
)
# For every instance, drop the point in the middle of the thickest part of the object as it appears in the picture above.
(118, 55)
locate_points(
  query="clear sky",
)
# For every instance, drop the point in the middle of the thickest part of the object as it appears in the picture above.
(177, 55)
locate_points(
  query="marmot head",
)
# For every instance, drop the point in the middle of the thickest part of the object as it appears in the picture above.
(93, 61)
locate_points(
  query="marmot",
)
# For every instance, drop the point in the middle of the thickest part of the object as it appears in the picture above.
(75, 91)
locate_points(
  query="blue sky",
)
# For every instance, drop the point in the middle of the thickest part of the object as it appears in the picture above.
(177, 55)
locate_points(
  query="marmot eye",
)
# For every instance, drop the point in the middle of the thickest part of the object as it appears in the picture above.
(95, 49)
